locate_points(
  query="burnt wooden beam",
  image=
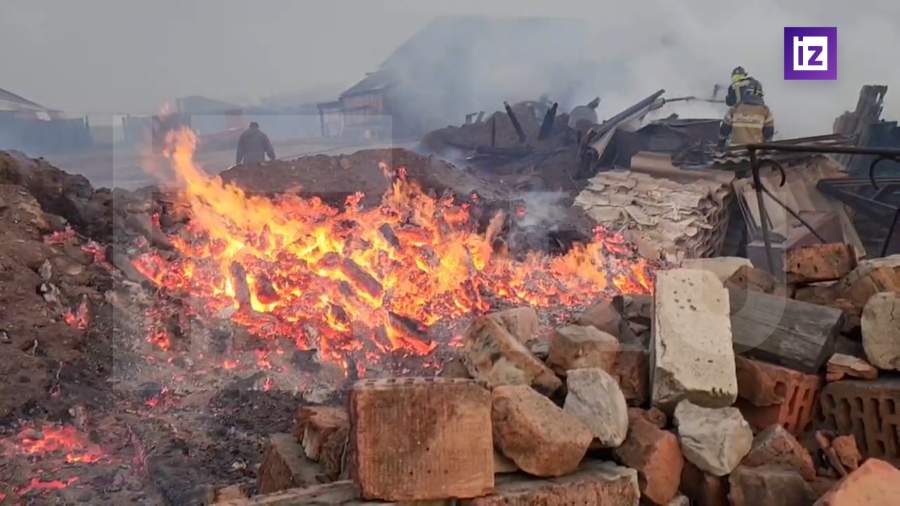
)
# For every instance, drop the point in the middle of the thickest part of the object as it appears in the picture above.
(493, 131)
(547, 124)
(786, 332)
(515, 122)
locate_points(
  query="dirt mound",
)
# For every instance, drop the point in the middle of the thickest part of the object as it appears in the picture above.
(334, 178)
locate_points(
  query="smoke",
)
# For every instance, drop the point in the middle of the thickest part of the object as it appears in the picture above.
(105, 56)
(622, 54)
(687, 50)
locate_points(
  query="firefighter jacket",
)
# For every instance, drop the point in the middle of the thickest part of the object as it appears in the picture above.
(748, 123)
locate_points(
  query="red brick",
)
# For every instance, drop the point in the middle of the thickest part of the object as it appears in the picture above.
(603, 316)
(532, 431)
(869, 410)
(230, 493)
(582, 346)
(819, 262)
(769, 394)
(594, 483)
(776, 446)
(748, 278)
(323, 431)
(847, 451)
(769, 486)
(875, 483)
(632, 371)
(652, 415)
(421, 438)
(703, 488)
(656, 455)
(841, 365)
(338, 493)
(285, 466)
(864, 282)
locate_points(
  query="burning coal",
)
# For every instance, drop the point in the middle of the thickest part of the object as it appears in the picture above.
(362, 282)
(53, 439)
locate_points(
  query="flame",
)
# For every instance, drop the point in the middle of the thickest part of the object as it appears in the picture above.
(365, 282)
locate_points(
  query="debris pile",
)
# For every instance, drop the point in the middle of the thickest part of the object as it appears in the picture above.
(304, 343)
(732, 374)
(666, 219)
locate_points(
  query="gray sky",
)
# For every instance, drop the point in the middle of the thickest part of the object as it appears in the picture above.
(116, 56)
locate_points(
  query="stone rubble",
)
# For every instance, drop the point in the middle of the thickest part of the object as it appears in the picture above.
(595, 398)
(495, 357)
(579, 347)
(841, 365)
(691, 349)
(604, 317)
(776, 446)
(769, 485)
(713, 439)
(537, 435)
(875, 483)
(881, 330)
(606, 383)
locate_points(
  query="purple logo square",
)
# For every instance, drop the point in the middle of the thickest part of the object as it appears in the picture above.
(810, 52)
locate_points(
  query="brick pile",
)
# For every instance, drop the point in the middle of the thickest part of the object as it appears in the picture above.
(687, 418)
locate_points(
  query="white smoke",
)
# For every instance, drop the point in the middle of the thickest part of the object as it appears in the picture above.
(627, 51)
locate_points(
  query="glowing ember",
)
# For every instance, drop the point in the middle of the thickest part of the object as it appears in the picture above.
(363, 282)
(38, 484)
(52, 439)
(160, 338)
(80, 318)
(96, 251)
(60, 236)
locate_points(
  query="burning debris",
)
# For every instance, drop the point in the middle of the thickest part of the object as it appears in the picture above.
(362, 283)
(385, 326)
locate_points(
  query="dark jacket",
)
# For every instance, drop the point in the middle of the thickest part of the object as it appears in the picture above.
(253, 146)
(744, 90)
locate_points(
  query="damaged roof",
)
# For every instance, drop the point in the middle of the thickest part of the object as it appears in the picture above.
(374, 81)
(9, 101)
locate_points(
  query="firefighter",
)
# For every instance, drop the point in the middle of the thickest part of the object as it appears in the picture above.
(253, 146)
(748, 119)
(748, 122)
(742, 85)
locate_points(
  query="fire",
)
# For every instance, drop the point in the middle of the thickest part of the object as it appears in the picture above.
(62, 438)
(363, 281)
(160, 338)
(80, 317)
(38, 484)
(60, 236)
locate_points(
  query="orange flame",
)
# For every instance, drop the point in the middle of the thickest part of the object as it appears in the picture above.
(368, 281)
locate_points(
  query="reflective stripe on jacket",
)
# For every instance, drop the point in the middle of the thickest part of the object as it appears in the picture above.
(746, 123)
